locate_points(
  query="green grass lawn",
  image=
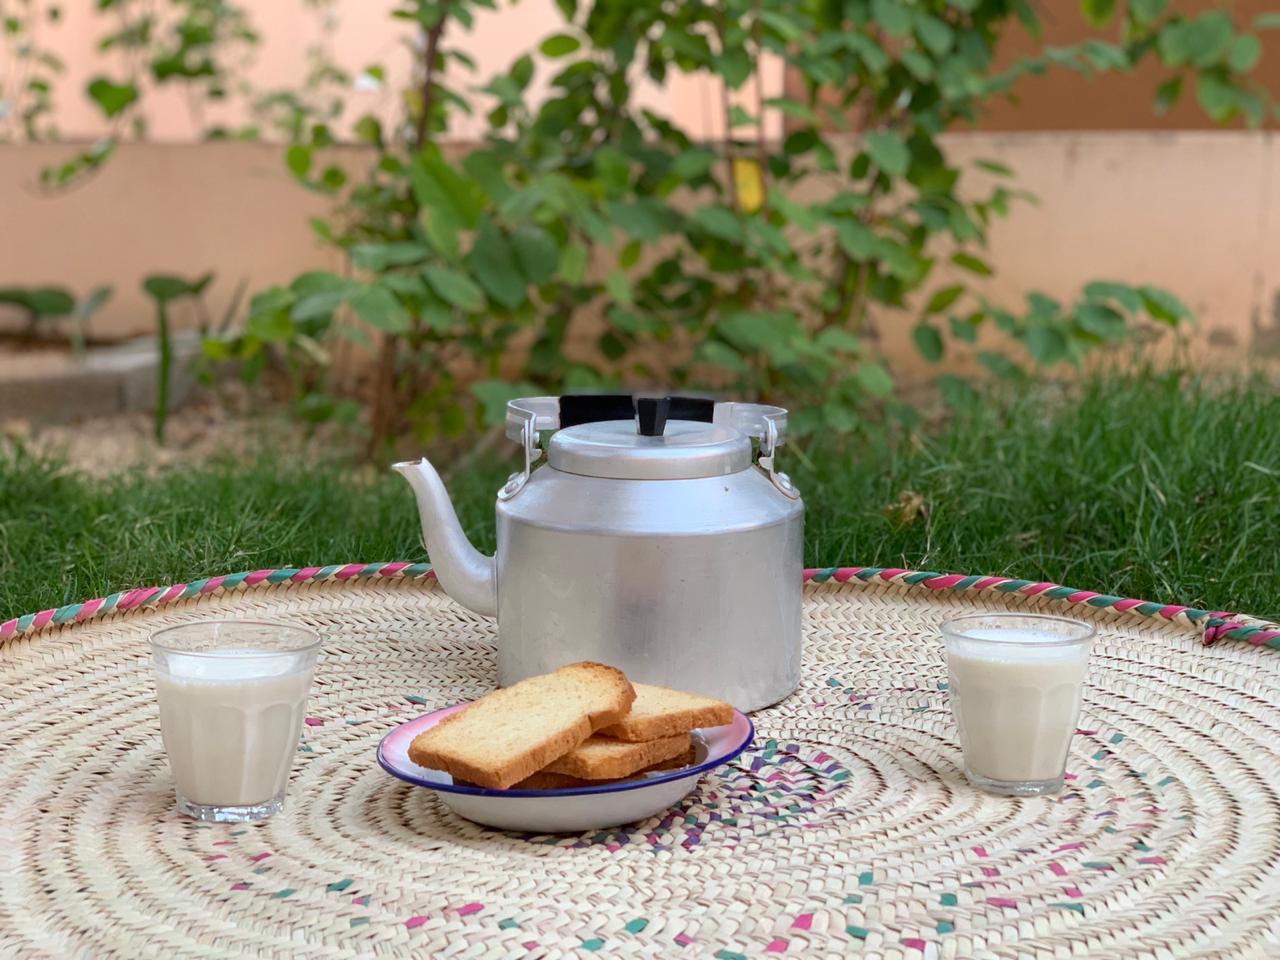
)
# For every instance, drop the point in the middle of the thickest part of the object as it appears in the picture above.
(1155, 486)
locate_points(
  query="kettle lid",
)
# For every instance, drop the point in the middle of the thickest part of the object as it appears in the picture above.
(646, 438)
(682, 450)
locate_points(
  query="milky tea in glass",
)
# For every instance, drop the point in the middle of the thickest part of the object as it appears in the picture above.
(1016, 683)
(232, 699)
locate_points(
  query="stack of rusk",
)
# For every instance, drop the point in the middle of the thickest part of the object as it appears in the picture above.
(581, 725)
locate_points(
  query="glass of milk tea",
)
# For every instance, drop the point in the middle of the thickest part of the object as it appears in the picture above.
(232, 698)
(1016, 685)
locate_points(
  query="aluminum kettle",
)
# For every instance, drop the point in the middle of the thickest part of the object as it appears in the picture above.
(657, 538)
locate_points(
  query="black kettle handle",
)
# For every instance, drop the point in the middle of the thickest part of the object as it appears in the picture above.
(653, 412)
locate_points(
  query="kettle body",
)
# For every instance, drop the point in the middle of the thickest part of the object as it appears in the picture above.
(669, 551)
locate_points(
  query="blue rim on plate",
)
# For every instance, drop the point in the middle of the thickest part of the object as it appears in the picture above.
(401, 736)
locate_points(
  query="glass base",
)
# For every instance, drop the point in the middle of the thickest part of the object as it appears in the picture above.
(229, 813)
(1014, 788)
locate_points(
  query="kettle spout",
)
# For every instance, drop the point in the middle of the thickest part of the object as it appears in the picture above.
(466, 574)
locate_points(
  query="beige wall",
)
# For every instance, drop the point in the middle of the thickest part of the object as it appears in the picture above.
(366, 35)
(1195, 212)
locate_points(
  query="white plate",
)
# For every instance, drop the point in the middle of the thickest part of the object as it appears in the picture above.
(571, 810)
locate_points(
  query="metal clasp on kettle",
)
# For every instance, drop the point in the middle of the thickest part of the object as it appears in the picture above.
(528, 416)
(768, 425)
(525, 418)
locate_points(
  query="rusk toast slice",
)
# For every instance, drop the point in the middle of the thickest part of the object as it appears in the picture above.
(510, 733)
(659, 712)
(543, 780)
(601, 758)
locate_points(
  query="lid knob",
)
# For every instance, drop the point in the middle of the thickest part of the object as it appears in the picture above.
(652, 413)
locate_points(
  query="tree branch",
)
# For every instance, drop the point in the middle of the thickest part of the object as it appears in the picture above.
(428, 91)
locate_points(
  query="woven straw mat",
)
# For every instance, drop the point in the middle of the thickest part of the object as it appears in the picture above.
(847, 828)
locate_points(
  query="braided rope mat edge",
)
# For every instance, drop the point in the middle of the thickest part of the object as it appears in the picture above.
(1215, 625)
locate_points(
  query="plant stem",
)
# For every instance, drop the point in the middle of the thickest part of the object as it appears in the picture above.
(162, 370)
(428, 90)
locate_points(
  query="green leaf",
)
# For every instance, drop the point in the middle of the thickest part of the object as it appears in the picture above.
(771, 332)
(40, 301)
(693, 163)
(488, 170)
(734, 67)
(994, 166)
(935, 34)
(794, 109)
(561, 45)
(573, 263)
(112, 98)
(455, 287)
(1216, 95)
(93, 303)
(797, 215)
(921, 67)
(495, 394)
(1200, 42)
(720, 354)
(1163, 305)
(376, 257)
(874, 379)
(1146, 11)
(644, 219)
(611, 345)
(630, 255)
(1267, 21)
(855, 239)
(1121, 293)
(928, 341)
(163, 287)
(1098, 12)
(900, 261)
(1047, 344)
(944, 298)
(321, 281)
(1167, 94)
(626, 320)
(839, 415)
(271, 300)
(1244, 53)
(443, 191)
(893, 15)
(536, 253)
(1000, 365)
(298, 159)
(1101, 320)
(786, 27)
(967, 261)
(379, 308)
(368, 129)
(618, 287)
(719, 222)
(965, 328)
(405, 285)
(271, 326)
(889, 152)
(957, 393)
(494, 264)
(873, 56)
(838, 339)
(333, 178)
(1105, 56)
(316, 305)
